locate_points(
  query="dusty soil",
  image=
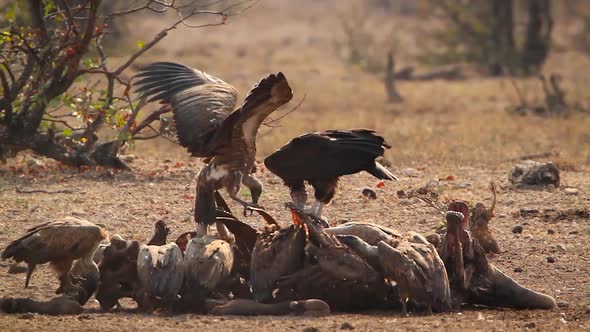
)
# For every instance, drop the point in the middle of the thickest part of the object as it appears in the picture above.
(130, 203)
(442, 128)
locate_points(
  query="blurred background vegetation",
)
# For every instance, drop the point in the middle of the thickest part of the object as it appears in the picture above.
(449, 81)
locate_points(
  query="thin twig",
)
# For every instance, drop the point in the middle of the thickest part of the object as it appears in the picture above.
(274, 122)
(34, 191)
(440, 209)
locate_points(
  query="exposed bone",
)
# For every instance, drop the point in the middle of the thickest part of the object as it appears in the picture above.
(369, 233)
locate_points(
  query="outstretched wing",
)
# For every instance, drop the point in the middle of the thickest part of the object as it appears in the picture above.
(329, 154)
(200, 102)
(264, 98)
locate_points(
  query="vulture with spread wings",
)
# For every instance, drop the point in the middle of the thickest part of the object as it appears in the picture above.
(209, 125)
(321, 158)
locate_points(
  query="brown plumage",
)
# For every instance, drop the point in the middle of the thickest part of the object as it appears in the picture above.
(58, 242)
(209, 125)
(160, 236)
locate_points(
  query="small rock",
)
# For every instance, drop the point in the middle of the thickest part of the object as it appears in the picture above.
(550, 259)
(346, 326)
(560, 248)
(84, 317)
(518, 269)
(370, 194)
(310, 329)
(401, 194)
(528, 237)
(410, 172)
(405, 201)
(128, 158)
(563, 304)
(527, 212)
(517, 229)
(570, 191)
(462, 184)
(574, 232)
(550, 231)
(530, 325)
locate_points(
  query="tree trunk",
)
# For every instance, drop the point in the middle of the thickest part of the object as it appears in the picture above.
(538, 35)
(392, 95)
(502, 36)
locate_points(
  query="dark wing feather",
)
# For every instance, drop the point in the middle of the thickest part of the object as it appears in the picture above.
(200, 102)
(264, 98)
(329, 154)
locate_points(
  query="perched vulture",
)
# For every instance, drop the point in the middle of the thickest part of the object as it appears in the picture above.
(321, 158)
(161, 271)
(208, 262)
(59, 242)
(209, 125)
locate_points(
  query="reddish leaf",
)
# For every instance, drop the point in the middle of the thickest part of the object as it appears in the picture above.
(381, 184)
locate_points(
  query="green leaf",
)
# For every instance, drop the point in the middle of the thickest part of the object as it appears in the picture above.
(140, 44)
(67, 132)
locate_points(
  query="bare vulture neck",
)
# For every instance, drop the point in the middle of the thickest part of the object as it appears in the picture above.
(237, 158)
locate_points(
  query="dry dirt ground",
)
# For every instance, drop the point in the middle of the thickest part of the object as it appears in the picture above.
(442, 128)
(130, 203)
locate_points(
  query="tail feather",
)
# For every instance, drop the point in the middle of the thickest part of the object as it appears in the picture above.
(380, 172)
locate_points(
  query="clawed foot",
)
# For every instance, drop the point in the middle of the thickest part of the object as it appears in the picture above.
(308, 212)
(249, 209)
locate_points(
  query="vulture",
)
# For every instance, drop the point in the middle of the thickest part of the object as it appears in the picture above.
(209, 125)
(160, 270)
(59, 242)
(321, 158)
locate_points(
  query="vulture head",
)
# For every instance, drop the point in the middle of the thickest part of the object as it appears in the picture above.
(118, 273)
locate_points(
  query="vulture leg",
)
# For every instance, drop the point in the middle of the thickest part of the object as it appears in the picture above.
(233, 189)
(324, 192)
(202, 229)
(30, 269)
(298, 193)
(254, 185)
